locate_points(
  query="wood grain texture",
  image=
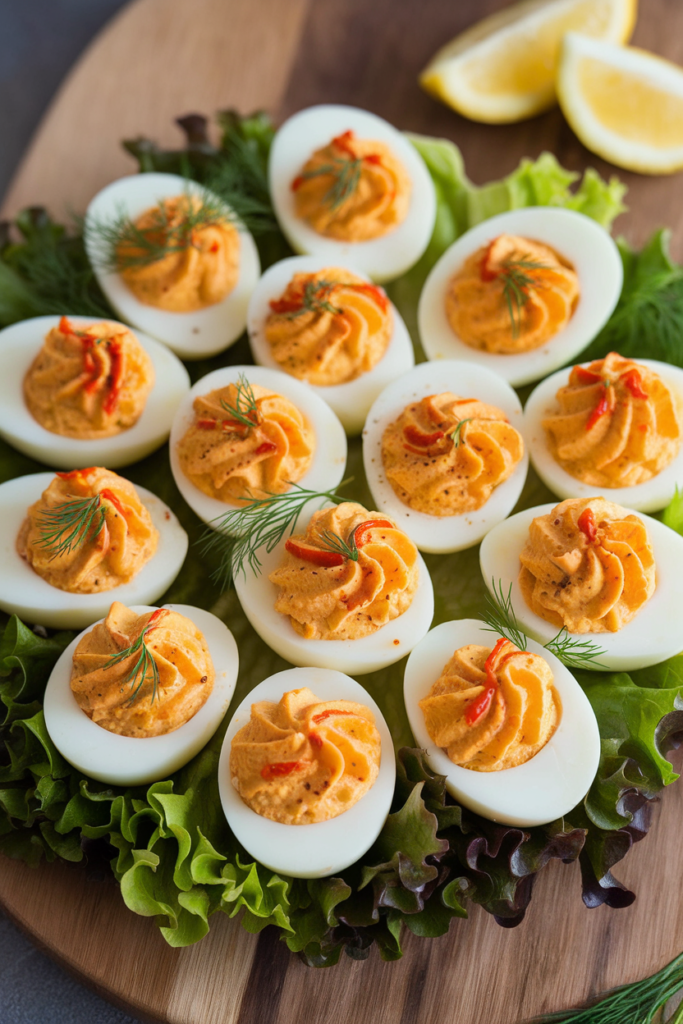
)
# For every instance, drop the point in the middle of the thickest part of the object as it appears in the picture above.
(177, 57)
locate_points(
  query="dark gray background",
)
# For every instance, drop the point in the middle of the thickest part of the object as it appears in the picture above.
(39, 41)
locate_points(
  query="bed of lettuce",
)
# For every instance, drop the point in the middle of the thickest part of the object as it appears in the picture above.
(168, 844)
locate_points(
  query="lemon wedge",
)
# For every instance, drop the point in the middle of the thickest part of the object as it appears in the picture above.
(503, 68)
(624, 104)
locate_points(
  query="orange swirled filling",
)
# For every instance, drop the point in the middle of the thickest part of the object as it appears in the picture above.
(618, 423)
(352, 189)
(184, 672)
(329, 327)
(126, 541)
(588, 566)
(511, 296)
(231, 461)
(304, 760)
(198, 273)
(444, 455)
(89, 382)
(492, 709)
(328, 595)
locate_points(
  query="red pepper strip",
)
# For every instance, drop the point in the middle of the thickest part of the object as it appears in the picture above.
(374, 292)
(207, 424)
(65, 326)
(633, 381)
(110, 496)
(280, 768)
(115, 379)
(373, 158)
(266, 448)
(331, 711)
(359, 534)
(601, 408)
(154, 617)
(417, 437)
(296, 184)
(585, 376)
(482, 703)
(342, 142)
(291, 305)
(487, 273)
(317, 556)
(234, 426)
(77, 474)
(314, 739)
(214, 248)
(586, 523)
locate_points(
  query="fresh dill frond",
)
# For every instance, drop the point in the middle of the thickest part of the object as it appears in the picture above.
(120, 244)
(333, 542)
(500, 617)
(345, 176)
(575, 653)
(66, 526)
(456, 434)
(145, 664)
(315, 300)
(245, 409)
(232, 540)
(516, 282)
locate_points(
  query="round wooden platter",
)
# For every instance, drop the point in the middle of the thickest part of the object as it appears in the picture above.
(163, 58)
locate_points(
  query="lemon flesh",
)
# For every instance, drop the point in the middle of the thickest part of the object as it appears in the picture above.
(624, 104)
(503, 68)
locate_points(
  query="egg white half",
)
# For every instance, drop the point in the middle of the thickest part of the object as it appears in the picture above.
(350, 401)
(382, 258)
(325, 847)
(26, 594)
(329, 458)
(546, 786)
(441, 533)
(650, 496)
(138, 760)
(386, 645)
(652, 636)
(577, 238)
(21, 343)
(195, 335)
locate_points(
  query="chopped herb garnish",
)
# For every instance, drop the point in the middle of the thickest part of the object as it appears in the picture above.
(456, 434)
(67, 525)
(144, 666)
(245, 409)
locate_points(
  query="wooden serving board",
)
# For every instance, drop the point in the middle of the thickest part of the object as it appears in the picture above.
(163, 58)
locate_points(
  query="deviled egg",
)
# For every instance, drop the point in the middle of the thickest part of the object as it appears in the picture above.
(350, 188)
(303, 443)
(522, 293)
(351, 804)
(174, 260)
(612, 577)
(330, 327)
(445, 681)
(140, 726)
(68, 542)
(451, 483)
(69, 372)
(613, 425)
(350, 591)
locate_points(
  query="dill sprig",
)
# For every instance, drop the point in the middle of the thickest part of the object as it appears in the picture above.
(67, 525)
(233, 540)
(315, 300)
(345, 176)
(500, 618)
(333, 542)
(516, 282)
(456, 435)
(119, 244)
(245, 409)
(145, 664)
